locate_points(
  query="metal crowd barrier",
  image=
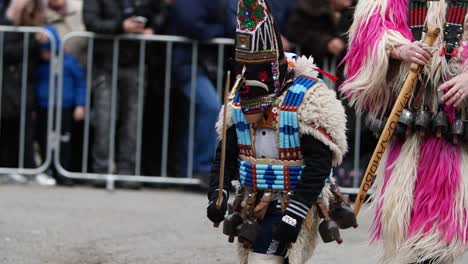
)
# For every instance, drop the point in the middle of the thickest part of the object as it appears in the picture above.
(28, 37)
(109, 177)
(169, 41)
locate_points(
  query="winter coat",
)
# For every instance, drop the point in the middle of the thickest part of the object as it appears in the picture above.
(107, 17)
(282, 10)
(12, 72)
(201, 20)
(74, 84)
(312, 25)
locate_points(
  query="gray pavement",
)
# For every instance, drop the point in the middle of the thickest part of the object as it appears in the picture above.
(89, 226)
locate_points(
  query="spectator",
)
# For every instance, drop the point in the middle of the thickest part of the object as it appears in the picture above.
(201, 20)
(66, 17)
(113, 17)
(318, 27)
(281, 12)
(18, 13)
(73, 102)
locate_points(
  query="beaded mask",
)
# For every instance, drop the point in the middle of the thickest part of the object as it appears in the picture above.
(260, 65)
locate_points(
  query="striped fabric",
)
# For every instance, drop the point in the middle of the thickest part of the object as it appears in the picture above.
(244, 141)
(270, 177)
(289, 140)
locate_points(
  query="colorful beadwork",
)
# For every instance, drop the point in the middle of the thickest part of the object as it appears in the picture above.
(289, 140)
(271, 177)
(259, 105)
(274, 177)
(276, 75)
(242, 129)
(251, 15)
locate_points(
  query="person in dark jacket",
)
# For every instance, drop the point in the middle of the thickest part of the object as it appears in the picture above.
(201, 20)
(114, 17)
(281, 11)
(318, 27)
(73, 102)
(280, 146)
(13, 108)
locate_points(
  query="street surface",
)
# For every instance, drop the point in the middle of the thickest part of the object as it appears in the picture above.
(91, 226)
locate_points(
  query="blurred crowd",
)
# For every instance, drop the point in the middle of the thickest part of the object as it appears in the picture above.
(311, 27)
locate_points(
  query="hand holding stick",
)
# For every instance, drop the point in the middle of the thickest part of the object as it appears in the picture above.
(219, 202)
(385, 138)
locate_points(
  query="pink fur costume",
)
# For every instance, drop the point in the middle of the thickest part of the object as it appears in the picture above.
(421, 191)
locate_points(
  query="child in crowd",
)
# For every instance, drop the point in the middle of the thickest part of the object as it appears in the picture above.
(73, 102)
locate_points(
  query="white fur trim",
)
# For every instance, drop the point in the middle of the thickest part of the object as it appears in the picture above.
(305, 66)
(363, 12)
(430, 245)
(321, 109)
(229, 120)
(371, 87)
(304, 248)
(398, 198)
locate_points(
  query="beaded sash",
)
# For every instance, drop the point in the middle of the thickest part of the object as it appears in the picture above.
(270, 177)
(274, 177)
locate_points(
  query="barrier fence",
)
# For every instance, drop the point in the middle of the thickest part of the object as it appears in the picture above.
(28, 35)
(54, 146)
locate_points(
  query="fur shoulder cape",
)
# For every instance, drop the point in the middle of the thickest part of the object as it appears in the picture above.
(321, 114)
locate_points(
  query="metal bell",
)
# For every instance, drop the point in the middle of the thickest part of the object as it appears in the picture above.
(344, 216)
(422, 121)
(329, 231)
(405, 123)
(340, 209)
(407, 118)
(230, 224)
(457, 130)
(440, 123)
(374, 124)
(248, 233)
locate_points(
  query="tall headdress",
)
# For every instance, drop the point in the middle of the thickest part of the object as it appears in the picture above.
(260, 65)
